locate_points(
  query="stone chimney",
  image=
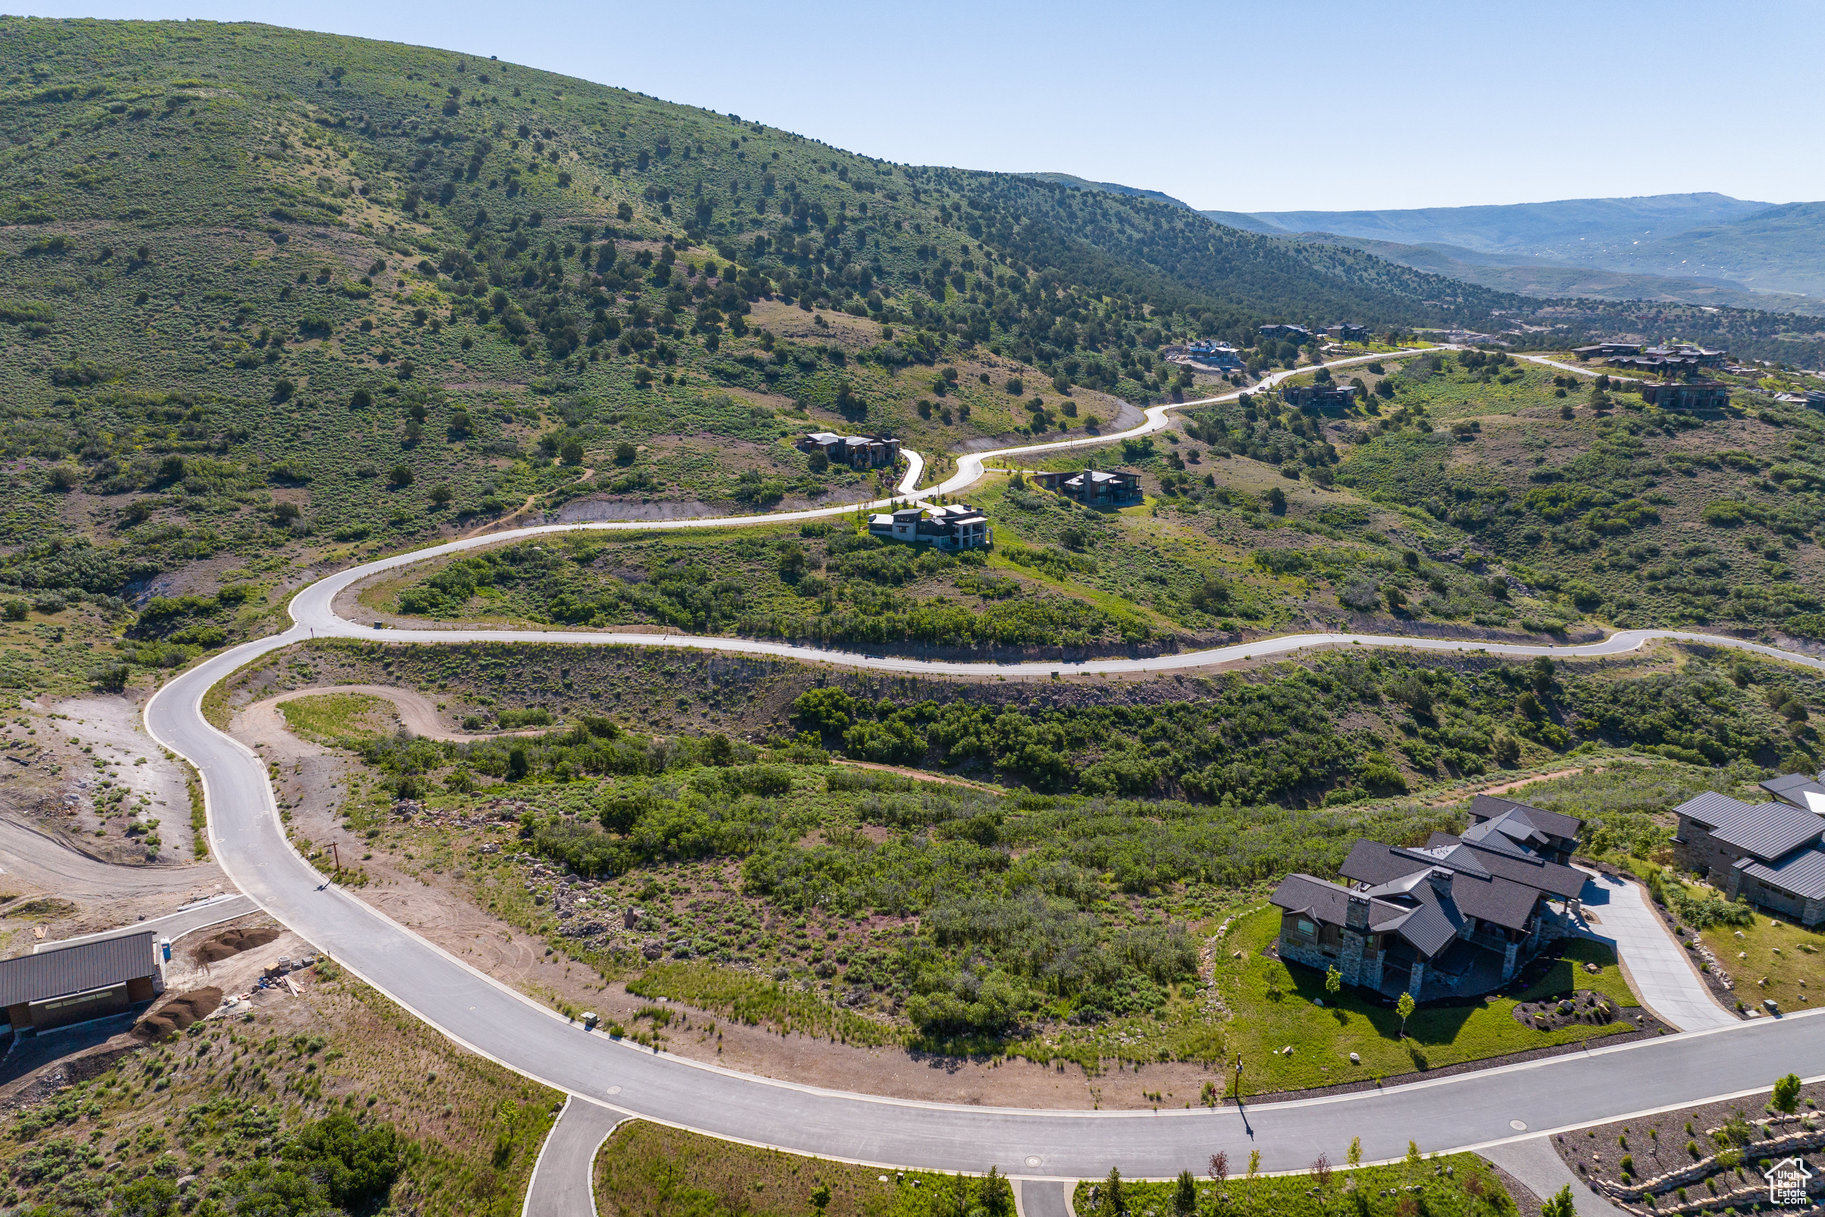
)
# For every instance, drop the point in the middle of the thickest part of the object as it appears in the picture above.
(1440, 879)
(1356, 916)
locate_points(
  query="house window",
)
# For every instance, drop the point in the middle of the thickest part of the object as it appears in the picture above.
(1304, 927)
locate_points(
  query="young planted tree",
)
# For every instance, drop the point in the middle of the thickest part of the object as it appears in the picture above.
(1560, 1204)
(1787, 1094)
(1185, 1195)
(1113, 1199)
(1404, 1008)
(1333, 981)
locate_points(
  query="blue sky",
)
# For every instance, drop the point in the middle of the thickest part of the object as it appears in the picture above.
(1260, 106)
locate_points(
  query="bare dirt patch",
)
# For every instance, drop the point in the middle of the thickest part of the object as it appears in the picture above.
(232, 942)
(178, 1014)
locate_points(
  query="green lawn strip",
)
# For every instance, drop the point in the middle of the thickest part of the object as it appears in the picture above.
(1454, 1185)
(1790, 958)
(646, 1170)
(1274, 1006)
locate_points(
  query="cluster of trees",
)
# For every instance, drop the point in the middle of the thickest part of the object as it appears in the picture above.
(1276, 739)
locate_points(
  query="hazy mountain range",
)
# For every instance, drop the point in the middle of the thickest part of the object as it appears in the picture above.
(1703, 248)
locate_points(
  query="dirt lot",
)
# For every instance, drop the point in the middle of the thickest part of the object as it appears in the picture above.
(83, 768)
(71, 784)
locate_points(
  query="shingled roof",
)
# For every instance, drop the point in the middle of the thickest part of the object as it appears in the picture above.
(76, 969)
(1418, 913)
(1475, 889)
(1518, 822)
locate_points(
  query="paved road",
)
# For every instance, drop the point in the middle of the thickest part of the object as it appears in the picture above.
(1657, 965)
(172, 925)
(1463, 1111)
(563, 1183)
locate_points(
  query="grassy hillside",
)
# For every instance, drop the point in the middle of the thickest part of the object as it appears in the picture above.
(1469, 493)
(271, 297)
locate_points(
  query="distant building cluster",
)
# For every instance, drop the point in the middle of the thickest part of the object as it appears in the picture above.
(1347, 331)
(1680, 366)
(1094, 487)
(953, 526)
(1677, 359)
(856, 451)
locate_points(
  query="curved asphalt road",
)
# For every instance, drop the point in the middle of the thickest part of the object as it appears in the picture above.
(1462, 1111)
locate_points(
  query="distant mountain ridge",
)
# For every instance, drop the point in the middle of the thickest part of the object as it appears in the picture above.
(1567, 228)
(1703, 247)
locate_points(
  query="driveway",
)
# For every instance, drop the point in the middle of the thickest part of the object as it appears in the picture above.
(1658, 967)
(563, 1181)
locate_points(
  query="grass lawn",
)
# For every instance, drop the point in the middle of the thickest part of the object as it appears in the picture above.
(1459, 1185)
(1274, 1007)
(646, 1170)
(347, 719)
(1790, 959)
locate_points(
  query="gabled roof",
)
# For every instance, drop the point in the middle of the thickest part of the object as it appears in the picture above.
(1795, 788)
(1475, 889)
(1765, 830)
(1553, 878)
(1422, 916)
(1537, 819)
(1801, 872)
(76, 969)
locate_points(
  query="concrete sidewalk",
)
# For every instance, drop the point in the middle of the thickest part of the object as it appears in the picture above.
(187, 920)
(1659, 969)
(1538, 1166)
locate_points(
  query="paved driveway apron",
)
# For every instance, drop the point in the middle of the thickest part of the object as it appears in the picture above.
(1662, 973)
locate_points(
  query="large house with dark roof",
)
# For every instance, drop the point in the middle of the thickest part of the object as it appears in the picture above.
(1770, 854)
(1457, 916)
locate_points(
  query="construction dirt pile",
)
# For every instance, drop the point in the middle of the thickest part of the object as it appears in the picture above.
(178, 1013)
(232, 942)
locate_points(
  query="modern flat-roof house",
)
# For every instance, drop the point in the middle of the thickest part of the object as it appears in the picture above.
(1285, 333)
(1094, 487)
(952, 526)
(64, 985)
(1348, 331)
(1770, 854)
(1455, 917)
(1606, 350)
(1323, 398)
(856, 451)
(1687, 394)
